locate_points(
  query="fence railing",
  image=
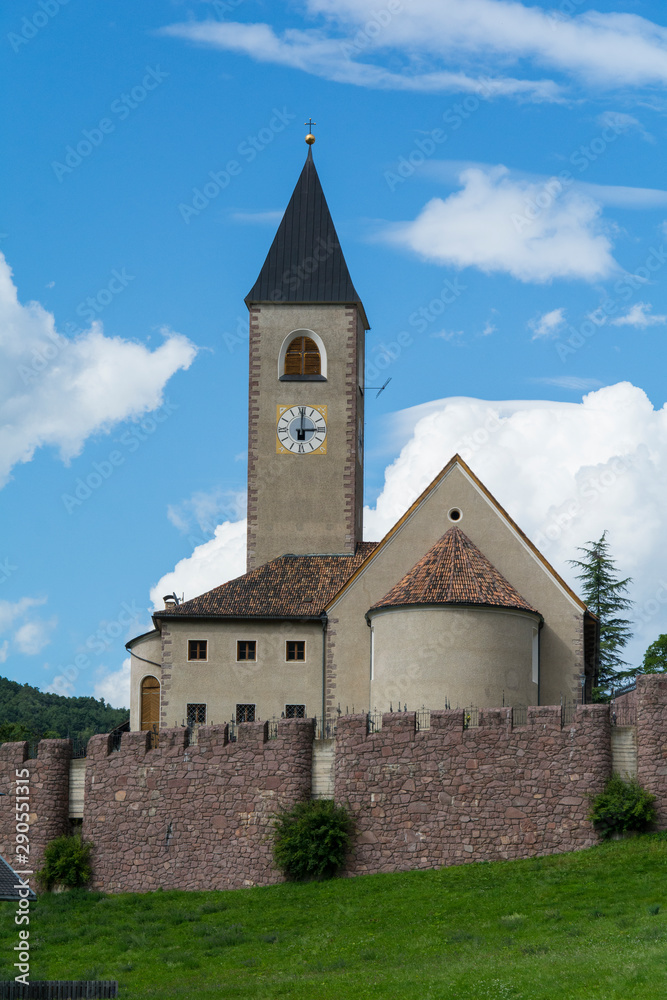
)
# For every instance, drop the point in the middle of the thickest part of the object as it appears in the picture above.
(59, 988)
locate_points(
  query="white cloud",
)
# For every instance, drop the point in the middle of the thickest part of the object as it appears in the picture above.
(452, 44)
(330, 57)
(33, 636)
(489, 328)
(547, 325)
(214, 562)
(564, 471)
(491, 224)
(57, 391)
(115, 686)
(571, 382)
(206, 510)
(628, 123)
(13, 611)
(447, 334)
(639, 316)
(4, 649)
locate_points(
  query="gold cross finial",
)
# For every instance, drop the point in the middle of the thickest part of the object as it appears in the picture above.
(310, 138)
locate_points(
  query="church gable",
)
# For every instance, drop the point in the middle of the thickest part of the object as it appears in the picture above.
(457, 498)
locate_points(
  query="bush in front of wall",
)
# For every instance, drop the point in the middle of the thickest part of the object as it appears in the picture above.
(66, 863)
(623, 807)
(312, 840)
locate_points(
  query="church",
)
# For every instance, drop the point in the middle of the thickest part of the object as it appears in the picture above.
(454, 607)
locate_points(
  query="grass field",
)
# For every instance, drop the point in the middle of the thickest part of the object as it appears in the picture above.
(590, 925)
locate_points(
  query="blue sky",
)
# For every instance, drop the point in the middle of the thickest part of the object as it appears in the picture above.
(496, 175)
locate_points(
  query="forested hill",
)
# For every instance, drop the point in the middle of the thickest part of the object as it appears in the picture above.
(26, 712)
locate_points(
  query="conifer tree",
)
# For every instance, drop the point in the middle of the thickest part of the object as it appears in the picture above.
(604, 593)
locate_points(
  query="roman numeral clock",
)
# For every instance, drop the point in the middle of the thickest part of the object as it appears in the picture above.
(301, 430)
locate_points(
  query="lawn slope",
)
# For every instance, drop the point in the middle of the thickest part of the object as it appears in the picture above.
(585, 926)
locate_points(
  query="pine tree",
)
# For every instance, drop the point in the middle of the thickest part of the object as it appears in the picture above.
(604, 593)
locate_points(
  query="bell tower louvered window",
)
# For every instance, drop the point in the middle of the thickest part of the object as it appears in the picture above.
(303, 357)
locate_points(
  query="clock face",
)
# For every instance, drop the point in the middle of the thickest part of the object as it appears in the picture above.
(302, 430)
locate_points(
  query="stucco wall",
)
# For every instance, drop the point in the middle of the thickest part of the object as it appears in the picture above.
(309, 503)
(270, 682)
(561, 638)
(450, 655)
(148, 648)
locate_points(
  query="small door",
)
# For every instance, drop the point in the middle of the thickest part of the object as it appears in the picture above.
(150, 704)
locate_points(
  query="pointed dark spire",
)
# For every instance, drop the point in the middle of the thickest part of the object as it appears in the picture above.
(305, 263)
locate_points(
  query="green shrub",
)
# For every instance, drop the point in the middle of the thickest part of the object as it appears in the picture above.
(66, 863)
(622, 807)
(312, 840)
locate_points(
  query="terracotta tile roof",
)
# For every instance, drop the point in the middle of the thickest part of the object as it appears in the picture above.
(454, 571)
(288, 587)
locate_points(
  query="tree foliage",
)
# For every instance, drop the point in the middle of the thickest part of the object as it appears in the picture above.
(27, 713)
(655, 657)
(312, 839)
(622, 807)
(604, 593)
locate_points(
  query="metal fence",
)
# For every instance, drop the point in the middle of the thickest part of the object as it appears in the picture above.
(60, 989)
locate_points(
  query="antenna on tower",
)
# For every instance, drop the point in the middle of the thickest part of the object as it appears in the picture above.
(380, 388)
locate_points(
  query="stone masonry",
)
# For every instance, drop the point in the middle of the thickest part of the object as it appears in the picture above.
(48, 784)
(447, 795)
(199, 817)
(192, 817)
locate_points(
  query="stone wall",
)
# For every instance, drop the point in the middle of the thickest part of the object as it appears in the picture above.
(199, 817)
(48, 783)
(651, 697)
(196, 817)
(447, 795)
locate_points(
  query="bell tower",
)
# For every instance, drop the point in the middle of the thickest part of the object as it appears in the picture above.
(306, 400)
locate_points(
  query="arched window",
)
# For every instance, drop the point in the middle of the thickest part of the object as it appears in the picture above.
(302, 357)
(150, 704)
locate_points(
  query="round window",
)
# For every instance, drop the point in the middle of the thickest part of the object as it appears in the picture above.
(454, 514)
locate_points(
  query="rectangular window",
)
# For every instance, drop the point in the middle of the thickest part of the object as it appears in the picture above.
(295, 649)
(245, 713)
(246, 649)
(196, 715)
(295, 711)
(197, 649)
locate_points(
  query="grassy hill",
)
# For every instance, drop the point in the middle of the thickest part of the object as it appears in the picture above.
(585, 926)
(37, 713)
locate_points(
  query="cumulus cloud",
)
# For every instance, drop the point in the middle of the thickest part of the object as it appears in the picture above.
(4, 650)
(33, 636)
(548, 325)
(114, 687)
(564, 471)
(639, 316)
(492, 224)
(56, 391)
(221, 558)
(434, 45)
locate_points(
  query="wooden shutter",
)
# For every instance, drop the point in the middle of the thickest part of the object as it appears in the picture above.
(150, 703)
(302, 357)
